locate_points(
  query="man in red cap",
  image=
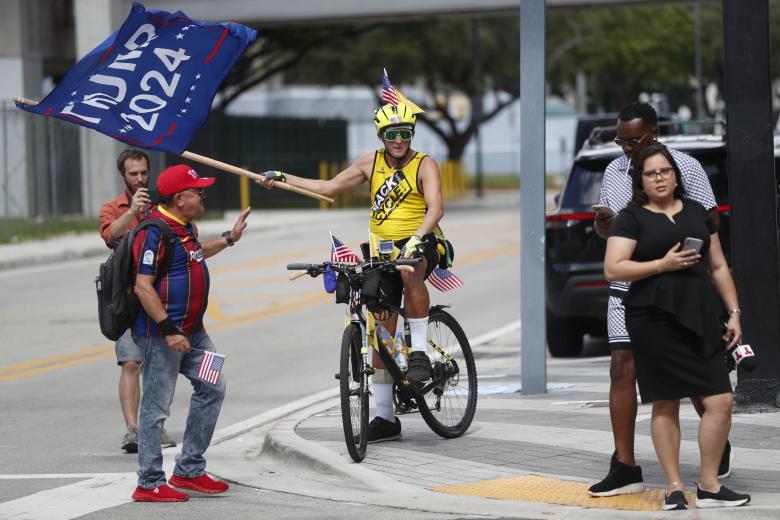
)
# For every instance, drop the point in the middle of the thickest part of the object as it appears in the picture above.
(169, 329)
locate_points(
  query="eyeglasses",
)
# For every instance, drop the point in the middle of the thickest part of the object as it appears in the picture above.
(404, 133)
(664, 173)
(630, 142)
(200, 193)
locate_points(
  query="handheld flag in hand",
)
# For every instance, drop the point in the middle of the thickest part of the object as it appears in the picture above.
(393, 96)
(150, 84)
(340, 253)
(444, 280)
(210, 367)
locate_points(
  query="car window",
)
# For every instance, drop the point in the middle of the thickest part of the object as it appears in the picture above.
(582, 189)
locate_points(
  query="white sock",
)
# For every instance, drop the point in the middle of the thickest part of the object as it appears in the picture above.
(419, 329)
(383, 397)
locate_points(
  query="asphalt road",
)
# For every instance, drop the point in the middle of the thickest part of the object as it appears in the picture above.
(58, 375)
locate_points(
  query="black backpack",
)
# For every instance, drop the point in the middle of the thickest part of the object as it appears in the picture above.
(117, 303)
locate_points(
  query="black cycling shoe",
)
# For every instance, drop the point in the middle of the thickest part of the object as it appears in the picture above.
(380, 430)
(419, 367)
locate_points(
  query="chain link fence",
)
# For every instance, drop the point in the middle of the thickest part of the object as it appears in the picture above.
(40, 161)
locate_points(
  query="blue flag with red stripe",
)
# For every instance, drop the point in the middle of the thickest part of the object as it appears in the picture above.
(150, 84)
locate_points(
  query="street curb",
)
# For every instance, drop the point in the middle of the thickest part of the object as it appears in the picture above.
(282, 442)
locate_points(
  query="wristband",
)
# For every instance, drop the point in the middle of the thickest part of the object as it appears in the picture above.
(658, 266)
(169, 328)
(228, 238)
(735, 311)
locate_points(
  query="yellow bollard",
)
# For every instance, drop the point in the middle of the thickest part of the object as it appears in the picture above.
(244, 191)
(323, 177)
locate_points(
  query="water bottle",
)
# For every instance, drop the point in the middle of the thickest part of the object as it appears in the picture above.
(385, 339)
(400, 351)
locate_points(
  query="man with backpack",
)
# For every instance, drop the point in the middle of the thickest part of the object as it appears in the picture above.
(117, 218)
(169, 329)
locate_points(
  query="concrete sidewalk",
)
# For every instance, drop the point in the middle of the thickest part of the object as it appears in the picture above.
(524, 456)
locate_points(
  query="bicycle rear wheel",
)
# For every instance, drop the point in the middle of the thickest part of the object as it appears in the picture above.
(353, 382)
(449, 407)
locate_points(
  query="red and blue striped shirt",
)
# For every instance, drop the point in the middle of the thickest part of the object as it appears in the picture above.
(184, 290)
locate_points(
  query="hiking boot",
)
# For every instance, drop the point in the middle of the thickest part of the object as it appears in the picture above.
(724, 470)
(419, 367)
(166, 441)
(162, 493)
(202, 484)
(723, 498)
(380, 429)
(675, 501)
(130, 440)
(620, 480)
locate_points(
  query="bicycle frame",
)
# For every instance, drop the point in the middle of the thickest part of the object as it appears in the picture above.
(370, 341)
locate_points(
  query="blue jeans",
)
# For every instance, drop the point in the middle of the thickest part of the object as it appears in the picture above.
(160, 370)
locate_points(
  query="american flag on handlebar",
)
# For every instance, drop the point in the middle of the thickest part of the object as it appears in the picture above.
(339, 253)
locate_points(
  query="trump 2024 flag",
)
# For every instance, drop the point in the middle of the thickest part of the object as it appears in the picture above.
(210, 367)
(150, 84)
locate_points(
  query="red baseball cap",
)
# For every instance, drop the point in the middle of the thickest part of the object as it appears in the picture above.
(181, 177)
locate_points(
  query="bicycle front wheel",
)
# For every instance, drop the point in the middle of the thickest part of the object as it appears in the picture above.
(449, 407)
(353, 382)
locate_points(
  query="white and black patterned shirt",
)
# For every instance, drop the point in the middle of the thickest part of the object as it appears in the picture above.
(616, 189)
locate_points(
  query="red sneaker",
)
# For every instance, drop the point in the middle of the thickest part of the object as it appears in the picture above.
(162, 493)
(203, 484)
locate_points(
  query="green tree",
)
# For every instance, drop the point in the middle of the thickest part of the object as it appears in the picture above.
(627, 50)
(436, 54)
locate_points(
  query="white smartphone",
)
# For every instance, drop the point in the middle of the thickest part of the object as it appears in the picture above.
(600, 208)
(691, 243)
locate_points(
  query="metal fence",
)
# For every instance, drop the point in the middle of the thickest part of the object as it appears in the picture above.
(40, 161)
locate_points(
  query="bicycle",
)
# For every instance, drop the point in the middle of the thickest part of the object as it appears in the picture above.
(447, 402)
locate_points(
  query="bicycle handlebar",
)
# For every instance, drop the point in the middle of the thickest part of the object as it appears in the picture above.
(401, 264)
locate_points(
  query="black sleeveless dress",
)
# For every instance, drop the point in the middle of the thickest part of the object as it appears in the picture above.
(674, 318)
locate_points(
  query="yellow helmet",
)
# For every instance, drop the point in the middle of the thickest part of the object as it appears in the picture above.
(393, 115)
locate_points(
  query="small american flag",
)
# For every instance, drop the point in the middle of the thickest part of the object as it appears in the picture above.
(210, 367)
(388, 92)
(341, 254)
(444, 280)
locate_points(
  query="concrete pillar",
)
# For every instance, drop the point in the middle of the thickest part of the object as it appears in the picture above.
(21, 74)
(95, 20)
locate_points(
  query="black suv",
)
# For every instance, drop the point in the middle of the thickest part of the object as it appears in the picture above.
(576, 289)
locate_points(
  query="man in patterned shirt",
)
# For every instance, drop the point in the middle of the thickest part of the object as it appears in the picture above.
(169, 329)
(637, 127)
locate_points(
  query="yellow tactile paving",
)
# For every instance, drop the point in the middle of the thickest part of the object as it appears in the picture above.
(534, 488)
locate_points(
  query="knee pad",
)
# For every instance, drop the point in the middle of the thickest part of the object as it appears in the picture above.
(382, 377)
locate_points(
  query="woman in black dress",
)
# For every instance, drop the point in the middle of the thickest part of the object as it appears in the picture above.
(674, 312)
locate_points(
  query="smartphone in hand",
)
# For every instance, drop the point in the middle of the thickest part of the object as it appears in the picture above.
(691, 243)
(601, 208)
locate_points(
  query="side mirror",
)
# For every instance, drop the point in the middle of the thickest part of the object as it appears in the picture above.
(557, 198)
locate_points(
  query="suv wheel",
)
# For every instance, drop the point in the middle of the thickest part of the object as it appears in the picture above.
(564, 336)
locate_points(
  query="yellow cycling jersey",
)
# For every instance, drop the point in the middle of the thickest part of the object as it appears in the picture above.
(397, 206)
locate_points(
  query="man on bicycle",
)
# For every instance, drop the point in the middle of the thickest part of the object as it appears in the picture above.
(405, 190)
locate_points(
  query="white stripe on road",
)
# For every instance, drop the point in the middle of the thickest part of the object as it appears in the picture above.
(74, 500)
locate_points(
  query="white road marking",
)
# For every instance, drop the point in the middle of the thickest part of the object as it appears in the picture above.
(74, 500)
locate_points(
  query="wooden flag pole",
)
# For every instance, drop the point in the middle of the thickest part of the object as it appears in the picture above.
(224, 166)
(252, 175)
